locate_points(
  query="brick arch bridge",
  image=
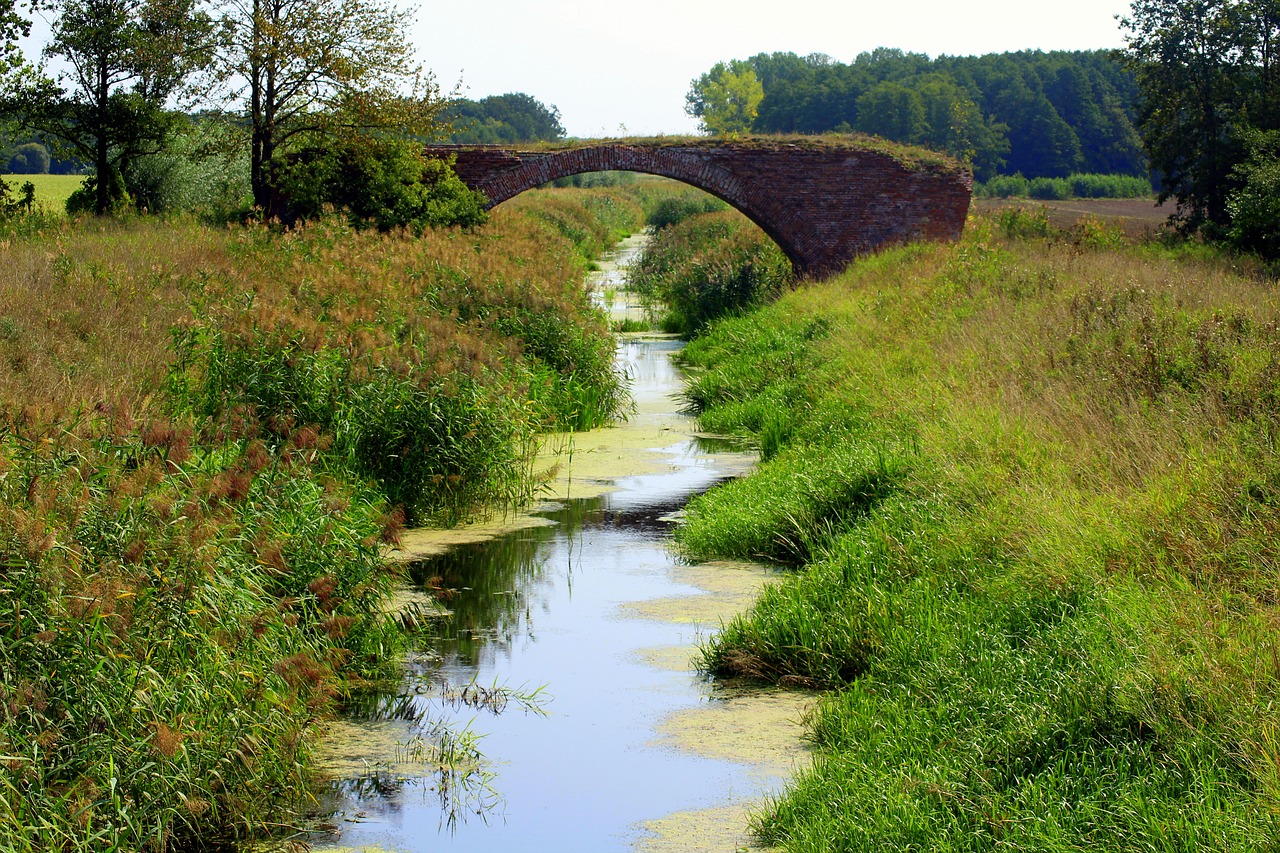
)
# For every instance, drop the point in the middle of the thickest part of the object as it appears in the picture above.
(823, 200)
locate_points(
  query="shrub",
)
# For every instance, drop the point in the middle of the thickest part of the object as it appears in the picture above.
(1004, 186)
(1049, 189)
(85, 199)
(1255, 207)
(675, 209)
(388, 183)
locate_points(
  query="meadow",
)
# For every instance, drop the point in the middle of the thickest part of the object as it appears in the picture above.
(1028, 487)
(52, 191)
(208, 434)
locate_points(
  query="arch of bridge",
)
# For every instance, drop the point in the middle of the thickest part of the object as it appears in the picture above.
(823, 204)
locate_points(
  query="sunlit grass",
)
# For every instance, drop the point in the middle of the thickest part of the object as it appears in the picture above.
(1044, 598)
(52, 191)
(206, 436)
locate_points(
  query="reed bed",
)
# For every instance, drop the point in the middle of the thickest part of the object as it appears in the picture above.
(207, 435)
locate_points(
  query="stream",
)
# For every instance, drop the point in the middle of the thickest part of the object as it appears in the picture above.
(580, 606)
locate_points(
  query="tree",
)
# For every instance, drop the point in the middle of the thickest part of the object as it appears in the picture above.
(1254, 207)
(1184, 53)
(12, 27)
(726, 99)
(30, 158)
(316, 73)
(127, 58)
(513, 117)
(892, 110)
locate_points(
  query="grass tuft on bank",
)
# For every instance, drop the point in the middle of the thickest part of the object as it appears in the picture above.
(1030, 486)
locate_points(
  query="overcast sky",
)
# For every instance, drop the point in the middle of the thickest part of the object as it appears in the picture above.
(615, 68)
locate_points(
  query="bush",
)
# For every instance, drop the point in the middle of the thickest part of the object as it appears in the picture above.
(592, 180)
(188, 177)
(673, 209)
(1004, 186)
(85, 199)
(1073, 186)
(31, 158)
(9, 206)
(388, 183)
(1047, 189)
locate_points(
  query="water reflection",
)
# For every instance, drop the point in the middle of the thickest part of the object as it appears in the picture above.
(540, 621)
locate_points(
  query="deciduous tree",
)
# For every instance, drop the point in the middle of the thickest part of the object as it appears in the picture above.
(312, 73)
(726, 99)
(126, 59)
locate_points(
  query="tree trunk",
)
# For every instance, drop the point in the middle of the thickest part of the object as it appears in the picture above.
(101, 162)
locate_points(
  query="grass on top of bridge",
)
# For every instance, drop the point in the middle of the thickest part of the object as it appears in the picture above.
(910, 156)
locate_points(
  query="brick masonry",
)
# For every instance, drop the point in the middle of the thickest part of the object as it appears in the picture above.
(823, 204)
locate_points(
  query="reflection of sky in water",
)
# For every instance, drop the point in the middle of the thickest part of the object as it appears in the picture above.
(542, 607)
(609, 282)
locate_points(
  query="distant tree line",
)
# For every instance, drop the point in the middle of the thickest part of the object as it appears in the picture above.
(1032, 113)
(502, 119)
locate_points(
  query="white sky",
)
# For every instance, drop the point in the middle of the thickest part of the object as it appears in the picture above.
(610, 66)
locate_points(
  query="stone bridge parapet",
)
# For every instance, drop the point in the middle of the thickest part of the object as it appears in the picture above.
(824, 200)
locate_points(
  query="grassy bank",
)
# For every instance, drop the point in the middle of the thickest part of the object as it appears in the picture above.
(206, 435)
(1030, 487)
(705, 262)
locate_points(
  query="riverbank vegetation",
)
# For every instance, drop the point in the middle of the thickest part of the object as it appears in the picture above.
(1028, 487)
(704, 265)
(207, 435)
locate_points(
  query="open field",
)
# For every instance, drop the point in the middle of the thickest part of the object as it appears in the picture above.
(51, 190)
(1135, 217)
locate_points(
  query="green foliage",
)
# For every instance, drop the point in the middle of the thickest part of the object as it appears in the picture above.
(328, 75)
(513, 117)
(1254, 208)
(388, 183)
(131, 57)
(673, 209)
(193, 575)
(30, 158)
(709, 266)
(199, 170)
(1206, 70)
(10, 206)
(725, 100)
(1040, 114)
(88, 199)
(592, 180)
(1027, 491)
(1072, 186)
(183, 612)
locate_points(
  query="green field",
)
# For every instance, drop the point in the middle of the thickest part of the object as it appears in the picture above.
(51, 190)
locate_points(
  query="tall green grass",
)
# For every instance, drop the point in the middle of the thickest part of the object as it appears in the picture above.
(708, 265)
(1029, 485)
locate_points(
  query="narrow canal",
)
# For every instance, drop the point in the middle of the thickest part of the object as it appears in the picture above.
(581, 602)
